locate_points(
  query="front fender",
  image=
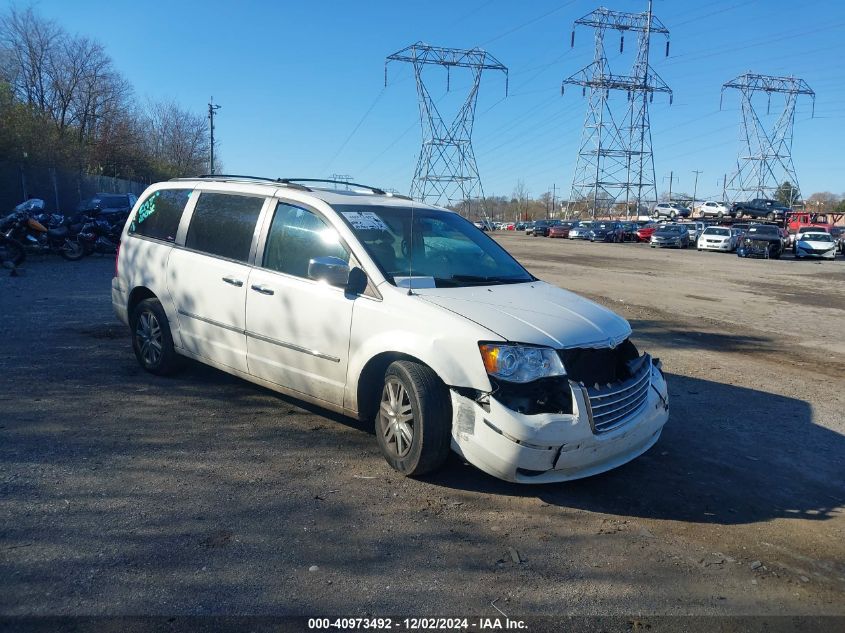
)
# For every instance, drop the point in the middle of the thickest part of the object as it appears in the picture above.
(446, 342)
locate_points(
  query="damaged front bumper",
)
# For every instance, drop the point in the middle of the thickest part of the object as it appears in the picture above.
(553, 447)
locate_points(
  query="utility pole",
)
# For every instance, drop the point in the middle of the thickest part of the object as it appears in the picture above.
(212, 110)
(671, 178)
(554, 192)
(724, 188)
(695, 187)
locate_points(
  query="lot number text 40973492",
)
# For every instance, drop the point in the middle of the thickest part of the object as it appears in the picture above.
(416, 624)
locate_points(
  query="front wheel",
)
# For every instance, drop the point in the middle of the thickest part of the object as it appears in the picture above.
(11, 252)
(151, 338)
(770, 216)
(72, 250)
(414, 420)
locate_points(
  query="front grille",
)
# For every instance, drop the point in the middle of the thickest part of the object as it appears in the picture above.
(614, 405)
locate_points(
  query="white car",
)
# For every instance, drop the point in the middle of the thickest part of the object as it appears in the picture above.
(815, 244)
(717, 238)
(391, 311)
(711, 209)
(669, 210)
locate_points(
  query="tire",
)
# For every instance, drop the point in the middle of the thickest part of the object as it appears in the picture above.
(770, 216)
(11, 251)
(720, 214)
(415, 402)
(151, 338)
(72, 250)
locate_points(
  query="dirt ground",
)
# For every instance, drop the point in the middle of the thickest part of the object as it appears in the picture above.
(124, 493)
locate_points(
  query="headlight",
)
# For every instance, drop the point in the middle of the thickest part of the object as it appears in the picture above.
(520, 363)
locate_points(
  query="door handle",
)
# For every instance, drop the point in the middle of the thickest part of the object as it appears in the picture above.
(235, 282)
(265, 290)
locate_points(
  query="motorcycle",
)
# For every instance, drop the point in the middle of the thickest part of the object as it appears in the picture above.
(98, 236)
(22, 233)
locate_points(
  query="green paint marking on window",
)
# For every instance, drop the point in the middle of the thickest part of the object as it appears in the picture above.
(148, 208)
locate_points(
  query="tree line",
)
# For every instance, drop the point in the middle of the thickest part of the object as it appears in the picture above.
(64, 104)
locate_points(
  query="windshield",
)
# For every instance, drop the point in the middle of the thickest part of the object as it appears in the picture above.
(672, 229)
(443, 246)
(714, 231)
(818, 237)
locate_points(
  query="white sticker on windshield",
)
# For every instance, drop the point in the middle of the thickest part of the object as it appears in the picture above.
(365, 221)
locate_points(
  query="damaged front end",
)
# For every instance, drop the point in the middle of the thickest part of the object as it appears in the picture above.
(607, 409)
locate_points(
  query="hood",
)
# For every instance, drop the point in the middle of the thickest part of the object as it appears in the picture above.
(536, 313)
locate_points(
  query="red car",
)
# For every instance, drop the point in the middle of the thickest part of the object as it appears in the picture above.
(645, 231)
(559, 230)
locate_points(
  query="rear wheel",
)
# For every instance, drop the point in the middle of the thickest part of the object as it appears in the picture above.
(770, 216)
(151, 338)
(414, 420)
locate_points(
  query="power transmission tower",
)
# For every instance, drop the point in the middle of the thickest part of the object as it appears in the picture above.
(343, 178)
(765, 159)
(615, 156)
(212, 110)
(446, 171)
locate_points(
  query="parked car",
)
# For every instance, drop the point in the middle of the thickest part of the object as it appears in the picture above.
(760, 208)
(711, 209)
(717, 238)
(111, 207)
(529, 228)
(607, 232)
(541, 227)
(838, 234)
(670, 210)
(760, 240)
(581, 231)
(510, 226)
(672, 235)
(629, 231)
(484, 225)
(799, 234)
(404, 316)
(695, 229)
(561, 230)
(645, 232)
(819, 244)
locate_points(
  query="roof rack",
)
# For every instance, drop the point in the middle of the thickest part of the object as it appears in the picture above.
(229, 177)
(375, 190)
(294, 183)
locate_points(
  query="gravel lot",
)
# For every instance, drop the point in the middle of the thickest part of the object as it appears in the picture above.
(124, 493)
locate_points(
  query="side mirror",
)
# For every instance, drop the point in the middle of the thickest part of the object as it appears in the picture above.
(332, 270)
(357, 282)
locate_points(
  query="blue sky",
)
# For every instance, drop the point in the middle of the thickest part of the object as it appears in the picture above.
(301, 84)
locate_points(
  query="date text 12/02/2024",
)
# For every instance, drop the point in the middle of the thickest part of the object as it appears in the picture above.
(416, 624)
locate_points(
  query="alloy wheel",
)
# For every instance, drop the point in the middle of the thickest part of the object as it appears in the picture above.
(396, 418)
(148, 336)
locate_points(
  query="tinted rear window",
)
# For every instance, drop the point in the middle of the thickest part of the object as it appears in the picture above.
(223, 225)
(159, 215)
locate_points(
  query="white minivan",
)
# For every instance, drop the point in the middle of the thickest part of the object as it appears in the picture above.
(389, 310)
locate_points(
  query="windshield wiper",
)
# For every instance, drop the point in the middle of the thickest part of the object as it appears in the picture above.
(480, 279)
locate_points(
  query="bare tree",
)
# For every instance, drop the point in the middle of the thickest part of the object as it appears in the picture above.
(178, 139)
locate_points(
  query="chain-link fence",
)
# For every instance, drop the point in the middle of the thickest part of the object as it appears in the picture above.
(61, 189)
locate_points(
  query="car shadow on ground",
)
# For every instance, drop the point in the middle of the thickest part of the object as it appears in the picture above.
(729, 455)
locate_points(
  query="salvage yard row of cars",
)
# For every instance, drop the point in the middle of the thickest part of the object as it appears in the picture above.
(766, 240)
